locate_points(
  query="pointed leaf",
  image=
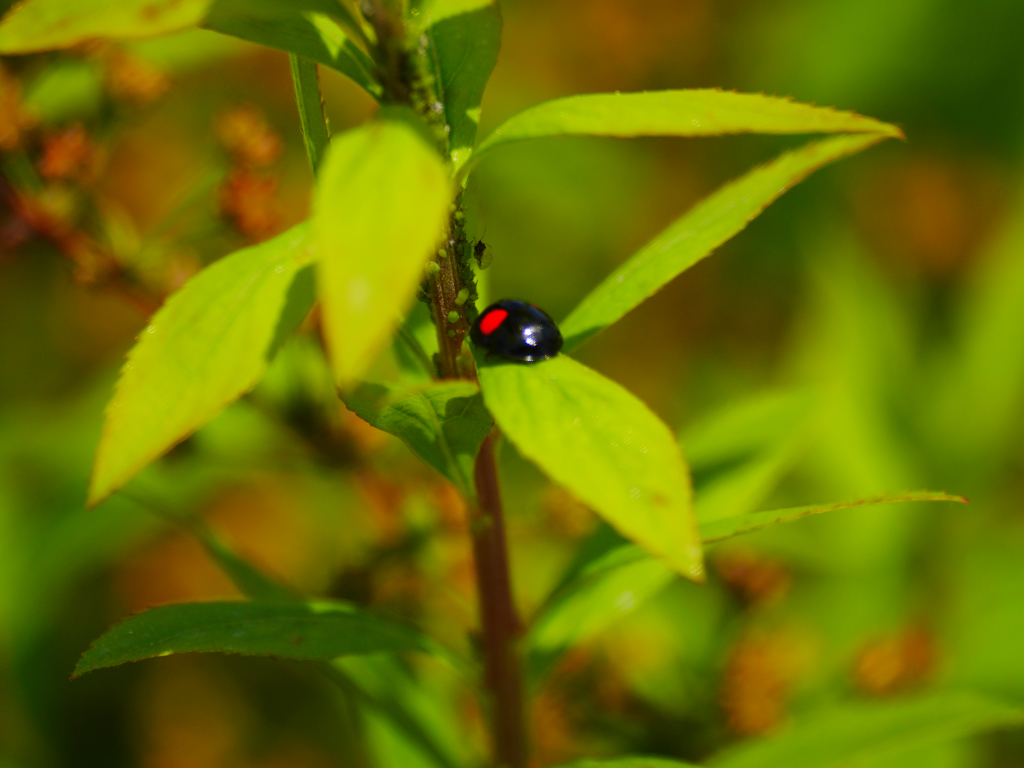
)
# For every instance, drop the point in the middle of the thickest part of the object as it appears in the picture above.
(40, 25)
(612, 577)
(358, 675)
(740, 452)
(741, 489)
(66, 90)
(415, 345)
(697, 233)
(380, 208)
(413, 720)
(745, 427)
(315, 133)
(316, 36)
(464, 37)
(285, 630)
(697, 112)
(717, 530)
(444, 424)
(599, 441)
(204, 348)
(610, 588)
(861, 733)
(985, 366)
(247, 578)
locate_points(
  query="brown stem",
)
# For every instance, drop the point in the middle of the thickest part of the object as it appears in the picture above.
(451, 292)
(443, 289)
(498, 620)
(502, 673)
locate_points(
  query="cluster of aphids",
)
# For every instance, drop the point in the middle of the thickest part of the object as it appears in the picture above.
(510, 329)
(464, 250)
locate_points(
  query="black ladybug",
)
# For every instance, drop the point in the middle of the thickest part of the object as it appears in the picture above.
(516, 330)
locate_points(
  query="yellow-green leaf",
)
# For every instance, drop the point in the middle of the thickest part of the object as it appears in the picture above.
(863, 733)
(39, 25)
(608, 589)
(380, 209)
(603, 444)
(698, 232)
(464, 36)
(716, 530)
(204, 348)
(697, 112)
(612, 577)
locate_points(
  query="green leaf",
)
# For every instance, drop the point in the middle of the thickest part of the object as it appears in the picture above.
(985, 367)
(599, 441)
(66, 90)
(745, 427)
(285, 630)
(739, 453)
(444, 424)
(609, 588)
(249, 579)
(415, 345)
(464, 37)
(742, 489)
(635, 761)
(859, 734)
(698, 112)
(696, 234)
(717, 530)
(315, 134)
(378, 680)
(204, 348)
(40, 25)
(611, 578)
(315, 36)
(380, 208)
(416, 728)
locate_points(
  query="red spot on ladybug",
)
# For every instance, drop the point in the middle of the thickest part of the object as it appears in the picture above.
(516, 330)
(491, 320)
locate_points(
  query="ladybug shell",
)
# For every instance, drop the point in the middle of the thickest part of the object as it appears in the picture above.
(516, 330)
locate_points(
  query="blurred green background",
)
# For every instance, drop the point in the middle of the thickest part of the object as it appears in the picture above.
(866, 334)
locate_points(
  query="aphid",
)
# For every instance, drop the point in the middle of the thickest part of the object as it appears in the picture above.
(483, 256)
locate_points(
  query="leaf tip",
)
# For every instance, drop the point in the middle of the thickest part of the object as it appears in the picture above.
(896, 132)
(102, 482)
(689, 563)
(81, 667)
(97, 492)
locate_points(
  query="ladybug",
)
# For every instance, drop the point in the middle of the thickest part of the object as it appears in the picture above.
(516, 330)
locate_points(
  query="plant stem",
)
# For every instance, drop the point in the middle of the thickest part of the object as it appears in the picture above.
(502, 673)
(443, 290)
(407, 79)
(315, 134)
